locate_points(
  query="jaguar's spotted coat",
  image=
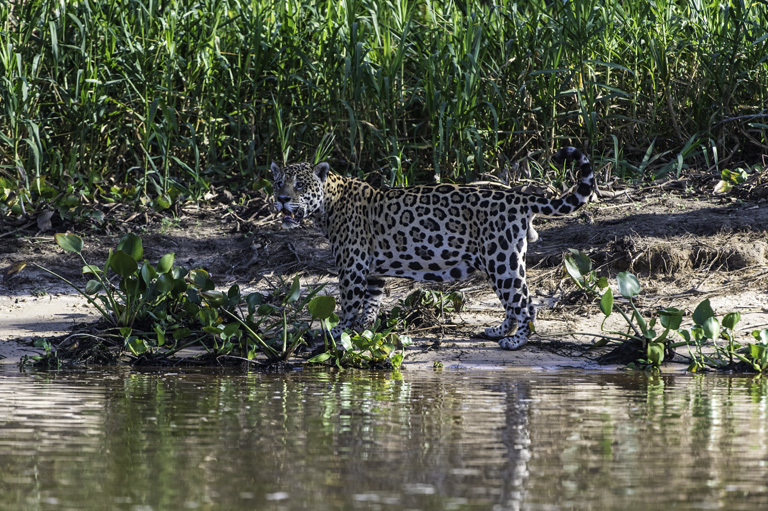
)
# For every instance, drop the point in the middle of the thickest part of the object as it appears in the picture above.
(429, 233)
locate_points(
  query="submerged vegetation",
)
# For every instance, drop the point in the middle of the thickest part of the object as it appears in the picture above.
(147, 98)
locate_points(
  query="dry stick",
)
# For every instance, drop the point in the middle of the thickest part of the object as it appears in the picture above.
(740, 117)
(10, 233)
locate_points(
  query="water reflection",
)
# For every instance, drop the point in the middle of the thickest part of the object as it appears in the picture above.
(477, 440)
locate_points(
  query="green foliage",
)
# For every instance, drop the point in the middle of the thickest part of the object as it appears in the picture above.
(729, 179)
(370, 349)
(653, 347)
(48, 360)
(757, 356)
(142, 290)
(156, 310)
(120, 99)
(425, 306)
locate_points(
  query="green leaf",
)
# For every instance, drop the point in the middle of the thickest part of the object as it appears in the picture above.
(123, 264)
(202, 280)
(69, 242)
(231, 329)
(91, 268)
(148, 273)
(761, 335)
(166, 263)
(178, 273)
(181, 333)
(606, 302)
(756, 351)
(577, 265)
(331, 321)
(193, 296)
(131, 245)
(629, 286)
(582, 261)
(671, 318)
(137, 346)
(711, 328)
(703, 312)
(164, 284)
(730, 320)
(131, 286)
(641, 324)
(254, 300)
(214, 298)
(179, 284)
(346, 341)
(233, 296)
(93, 287)
(322, 357)
(655, 353)
(294, 292)
(321, 307)
(161, 203)
(160, 332)
(265, 310)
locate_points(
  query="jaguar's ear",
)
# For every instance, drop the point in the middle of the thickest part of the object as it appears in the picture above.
(276, 173)
(321, 171)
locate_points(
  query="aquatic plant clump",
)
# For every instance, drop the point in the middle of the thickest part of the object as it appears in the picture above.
(151, 312)
(647, 342)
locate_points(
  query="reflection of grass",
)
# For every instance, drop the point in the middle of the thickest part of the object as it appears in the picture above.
(124, 98)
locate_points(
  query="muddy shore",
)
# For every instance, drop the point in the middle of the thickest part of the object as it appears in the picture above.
(684, 246)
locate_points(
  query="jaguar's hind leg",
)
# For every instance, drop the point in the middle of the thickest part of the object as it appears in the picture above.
(520, 337)
(513, 292)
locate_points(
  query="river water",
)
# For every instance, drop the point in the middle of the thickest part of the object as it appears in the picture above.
(448, 440)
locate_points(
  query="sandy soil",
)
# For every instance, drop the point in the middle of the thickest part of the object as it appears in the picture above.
(684, 244)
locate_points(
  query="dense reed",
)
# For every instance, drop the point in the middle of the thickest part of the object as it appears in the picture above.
(164, 95)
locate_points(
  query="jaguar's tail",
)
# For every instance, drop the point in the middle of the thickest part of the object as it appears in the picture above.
(573, 201)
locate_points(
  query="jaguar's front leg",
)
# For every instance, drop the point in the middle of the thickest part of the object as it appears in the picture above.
(350, 299)
(353, 279)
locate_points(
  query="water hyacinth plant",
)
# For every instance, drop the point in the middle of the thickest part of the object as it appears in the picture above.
(711, 341)
(159, 98)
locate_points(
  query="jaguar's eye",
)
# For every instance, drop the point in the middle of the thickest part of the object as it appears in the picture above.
(299, 185)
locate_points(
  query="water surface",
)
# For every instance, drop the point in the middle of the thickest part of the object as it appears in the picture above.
(534, 440)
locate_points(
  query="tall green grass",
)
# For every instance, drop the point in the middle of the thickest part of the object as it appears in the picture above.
(169, 96)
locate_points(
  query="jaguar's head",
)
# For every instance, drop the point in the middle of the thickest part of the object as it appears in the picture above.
(298, 191)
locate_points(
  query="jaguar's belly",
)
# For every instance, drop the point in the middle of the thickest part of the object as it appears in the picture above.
(424, 271)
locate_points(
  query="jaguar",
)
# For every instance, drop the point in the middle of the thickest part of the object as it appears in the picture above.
(434, 233)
